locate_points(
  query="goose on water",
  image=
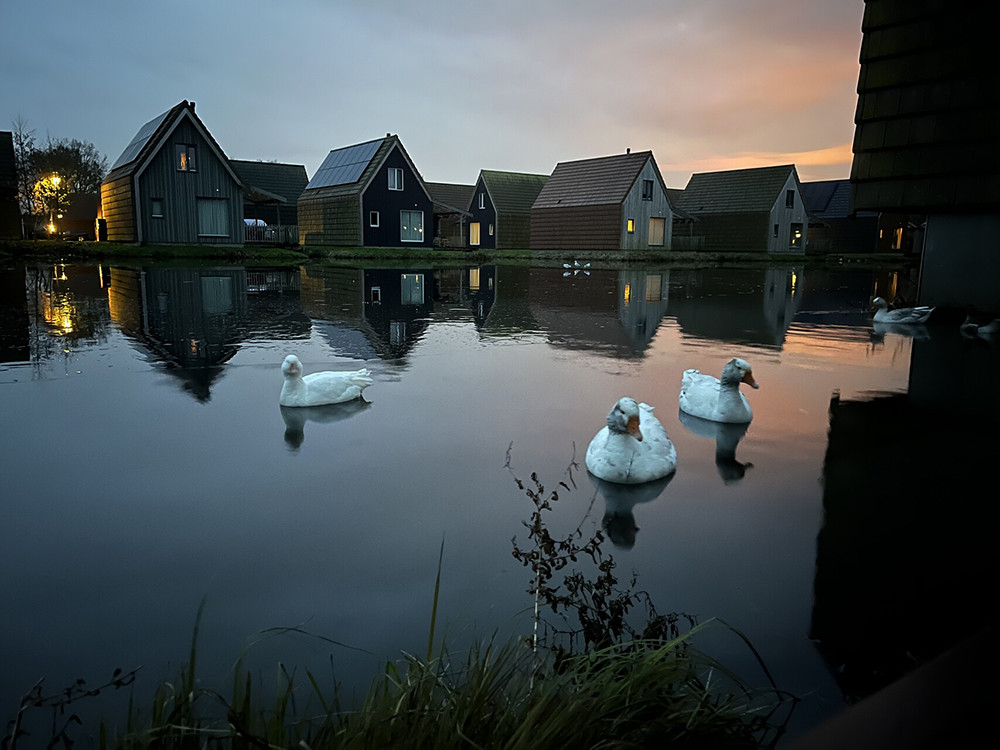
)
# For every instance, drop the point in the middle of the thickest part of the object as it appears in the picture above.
(718, 399)
(883, 314)
(632, 447)
(320, 388)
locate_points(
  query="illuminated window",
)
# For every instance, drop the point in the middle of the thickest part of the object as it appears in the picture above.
(474, 234)
(373, 218)
(395, 178)
(185, 158)
(482, 200)
(647, 190)
(795, 235)
(897, 242)
(631, 226)
(789, 199)
(411, 226)
(474, 279)
(157, 208)
(411, 290)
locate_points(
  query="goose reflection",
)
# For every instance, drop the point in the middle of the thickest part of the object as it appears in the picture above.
(913, 330)
(295, 417)
(727, 436)
(619, 499)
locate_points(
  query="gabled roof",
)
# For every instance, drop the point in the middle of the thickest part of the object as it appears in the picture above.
(828, 199)
(266, 181)
(449, 198)
(735, 190)
(512, 192)
(674, 196)
(350, 169)
(594, 182)
(151, 137)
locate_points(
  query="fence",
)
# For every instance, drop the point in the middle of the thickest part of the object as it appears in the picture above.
(288, 235)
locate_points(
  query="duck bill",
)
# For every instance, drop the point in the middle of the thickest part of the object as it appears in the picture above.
(748, 379)
(632, 427)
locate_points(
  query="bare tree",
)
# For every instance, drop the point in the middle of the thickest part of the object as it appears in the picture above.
(24, 148)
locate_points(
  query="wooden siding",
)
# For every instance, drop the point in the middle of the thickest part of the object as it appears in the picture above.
(118, 207)
(389, 203)
(486, 216)
(576, 228)
(741, 232)
(634, 207)
(180, 192)
(513, 231)
(784, 217)
(332, 221)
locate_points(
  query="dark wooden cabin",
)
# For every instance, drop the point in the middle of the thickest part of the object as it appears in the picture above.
(614, 202)
(10, 212)
(367, 195)
(927, 141)
(833, 227)
(748, 210)
(173, 185)
(501, 209)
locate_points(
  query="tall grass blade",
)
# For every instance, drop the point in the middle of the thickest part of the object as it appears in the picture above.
(434, 607)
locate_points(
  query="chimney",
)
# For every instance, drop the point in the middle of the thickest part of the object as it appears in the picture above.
(628, 150)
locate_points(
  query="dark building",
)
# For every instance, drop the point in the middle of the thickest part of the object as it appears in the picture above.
(173, 185)
(501, 209)
(10, 213)
(451, 213)
(271, 191)
(833, 227)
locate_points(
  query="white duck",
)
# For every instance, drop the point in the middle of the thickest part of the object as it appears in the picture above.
(319, 388)
(901, 314)
(718, 399)
(633, 447)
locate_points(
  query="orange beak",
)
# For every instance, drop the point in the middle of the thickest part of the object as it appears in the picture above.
(633, 428)
(748, 379)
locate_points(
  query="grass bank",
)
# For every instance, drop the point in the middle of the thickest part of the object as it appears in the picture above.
(63, 252)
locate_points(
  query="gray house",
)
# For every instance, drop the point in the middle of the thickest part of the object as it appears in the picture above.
(367, 195)
(609, 203)
(173, 185)
(748, 210)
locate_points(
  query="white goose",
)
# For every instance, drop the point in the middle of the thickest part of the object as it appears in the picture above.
(319, 388)
(633, 448)
(901, 314)
(718, 399)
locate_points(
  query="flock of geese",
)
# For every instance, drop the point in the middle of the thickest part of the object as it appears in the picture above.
(633, 447)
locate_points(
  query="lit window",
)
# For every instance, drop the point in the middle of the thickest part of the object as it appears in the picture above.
(185, 158)
(395, 178)
(789, 199)
(411, 226)
(795, 236)
(373, 218)
(631, 226)
(647, 190)
(474, 234)
(157, 208)
(482, 200)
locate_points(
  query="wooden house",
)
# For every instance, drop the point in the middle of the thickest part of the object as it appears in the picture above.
(833, 227)
(614, 202)
(748, 210)
(173, 185)
(927, 142)
(367, 195)
(271, 191)
(10, 212)
(501, 209)
(451, 213)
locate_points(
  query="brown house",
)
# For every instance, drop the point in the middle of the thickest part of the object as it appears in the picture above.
(609, 203)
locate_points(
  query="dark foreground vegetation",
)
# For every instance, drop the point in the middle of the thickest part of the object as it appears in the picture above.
(601, 669)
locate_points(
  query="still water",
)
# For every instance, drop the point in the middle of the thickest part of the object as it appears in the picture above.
(147, 465)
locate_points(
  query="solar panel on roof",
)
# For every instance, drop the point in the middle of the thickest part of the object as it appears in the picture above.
(344, 166)
(145, 133)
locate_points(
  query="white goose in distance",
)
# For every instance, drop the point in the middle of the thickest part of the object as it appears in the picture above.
(718, 399)
(633, 447)
(320, 388)
(901, 314)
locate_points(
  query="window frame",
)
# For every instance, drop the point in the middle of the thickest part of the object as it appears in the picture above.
(154, 205)
(374, 219)
(410, 213)
(789, 199)
(397, 183)
(647, 190)
(185, 157)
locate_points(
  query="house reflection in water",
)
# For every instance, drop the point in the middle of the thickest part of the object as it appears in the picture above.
(397, 307)
(194, 320)
(906, 563)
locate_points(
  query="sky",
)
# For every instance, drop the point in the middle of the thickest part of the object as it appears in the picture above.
(513, 85)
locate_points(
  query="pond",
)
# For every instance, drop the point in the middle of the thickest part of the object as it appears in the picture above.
(148, 467)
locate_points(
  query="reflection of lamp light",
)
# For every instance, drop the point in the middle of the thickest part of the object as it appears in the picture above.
(794, 279)
(628, 293)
